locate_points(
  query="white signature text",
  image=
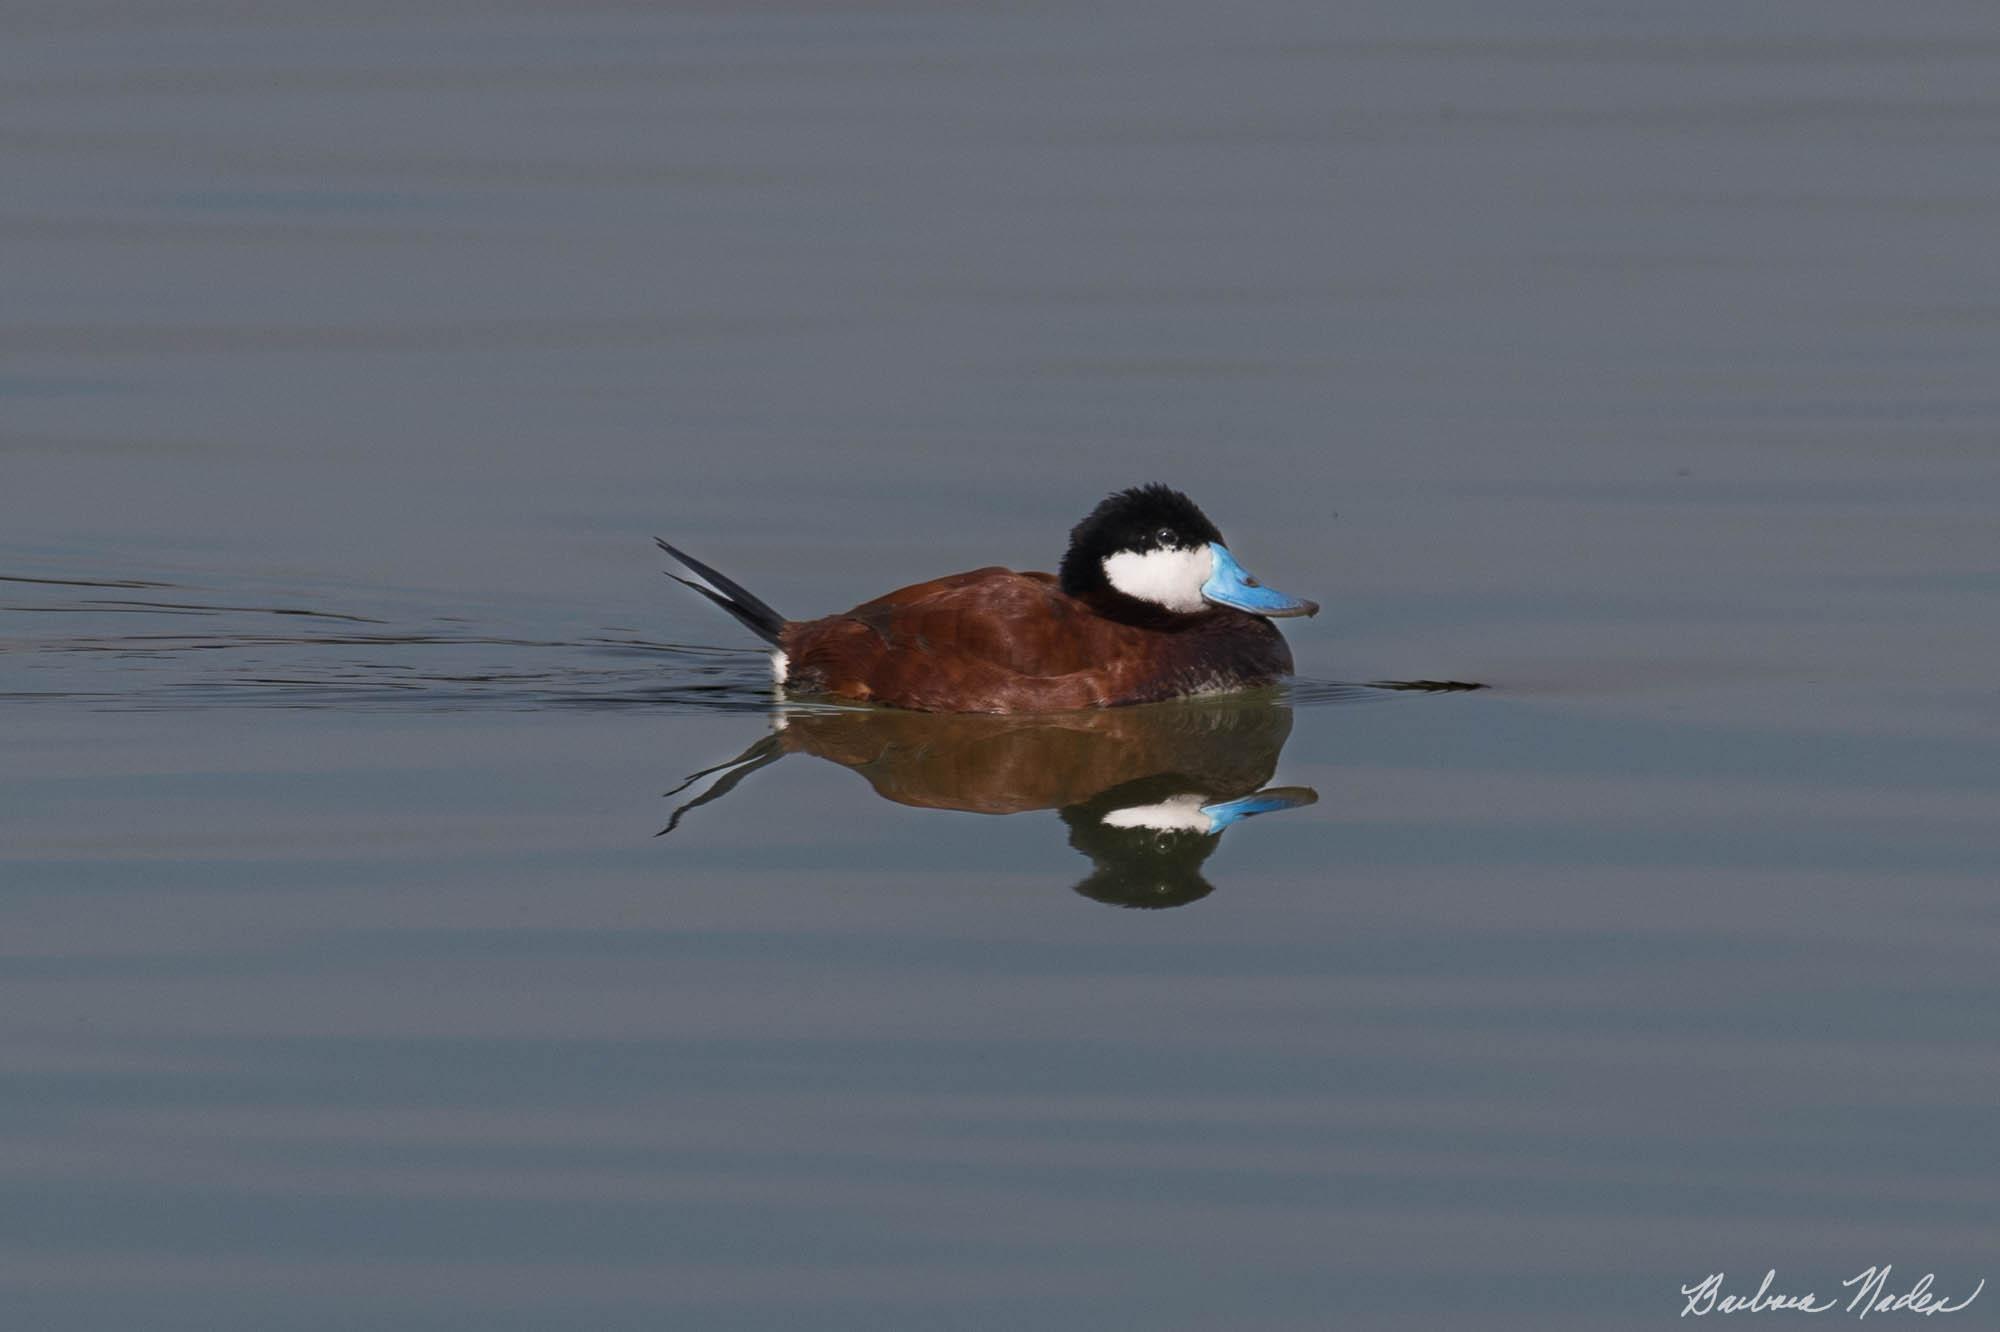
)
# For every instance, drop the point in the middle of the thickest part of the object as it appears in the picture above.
(1870, 1287)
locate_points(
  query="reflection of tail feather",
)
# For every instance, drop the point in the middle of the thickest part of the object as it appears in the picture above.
(756, 748)
(760, 755)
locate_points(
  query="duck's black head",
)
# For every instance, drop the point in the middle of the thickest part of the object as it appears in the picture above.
(1153, 545)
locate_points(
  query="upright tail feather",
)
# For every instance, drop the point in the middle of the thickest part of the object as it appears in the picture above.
(727, 593)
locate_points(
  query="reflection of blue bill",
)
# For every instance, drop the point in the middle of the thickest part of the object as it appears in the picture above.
(1223, 813)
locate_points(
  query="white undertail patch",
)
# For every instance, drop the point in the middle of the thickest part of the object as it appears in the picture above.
(1171, 576)
(781, 666)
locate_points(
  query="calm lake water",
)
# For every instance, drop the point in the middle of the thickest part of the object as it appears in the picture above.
(1636, 362)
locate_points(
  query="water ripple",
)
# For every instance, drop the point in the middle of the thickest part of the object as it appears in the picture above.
(345, 660)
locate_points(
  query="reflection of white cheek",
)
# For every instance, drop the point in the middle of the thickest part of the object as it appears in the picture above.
(1169, 578)
(1181, 813)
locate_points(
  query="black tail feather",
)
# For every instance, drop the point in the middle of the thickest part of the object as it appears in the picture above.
(750, 611)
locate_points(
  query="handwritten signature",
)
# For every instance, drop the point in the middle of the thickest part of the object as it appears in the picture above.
(1871, 1295)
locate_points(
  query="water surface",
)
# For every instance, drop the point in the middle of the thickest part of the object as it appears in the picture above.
(1635, 364)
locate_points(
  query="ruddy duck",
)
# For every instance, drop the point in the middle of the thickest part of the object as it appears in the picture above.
(1149, 605)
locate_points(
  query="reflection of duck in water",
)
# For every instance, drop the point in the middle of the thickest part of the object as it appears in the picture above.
(1146, 792)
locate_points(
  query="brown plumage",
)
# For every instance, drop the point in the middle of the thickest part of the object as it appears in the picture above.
(994, 640)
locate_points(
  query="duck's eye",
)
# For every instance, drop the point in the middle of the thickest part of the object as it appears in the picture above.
(1165, 536)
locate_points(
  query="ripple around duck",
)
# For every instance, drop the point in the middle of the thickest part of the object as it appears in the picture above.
(1309, 693)
(422, 672)
(188, 649)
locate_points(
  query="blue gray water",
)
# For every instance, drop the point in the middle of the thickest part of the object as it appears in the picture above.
(1636, 362)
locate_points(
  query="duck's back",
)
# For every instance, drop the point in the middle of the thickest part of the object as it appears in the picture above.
(994, 640)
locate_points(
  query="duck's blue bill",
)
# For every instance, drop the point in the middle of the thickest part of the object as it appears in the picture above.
(1230, 584)
(1224, 813)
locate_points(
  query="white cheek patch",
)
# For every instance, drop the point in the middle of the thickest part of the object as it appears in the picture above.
(1181, 813)
(1169, 577)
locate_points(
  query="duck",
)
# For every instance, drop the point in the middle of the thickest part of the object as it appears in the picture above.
(1148, 604)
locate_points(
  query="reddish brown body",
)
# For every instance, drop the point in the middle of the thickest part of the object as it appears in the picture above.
(994, 640)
